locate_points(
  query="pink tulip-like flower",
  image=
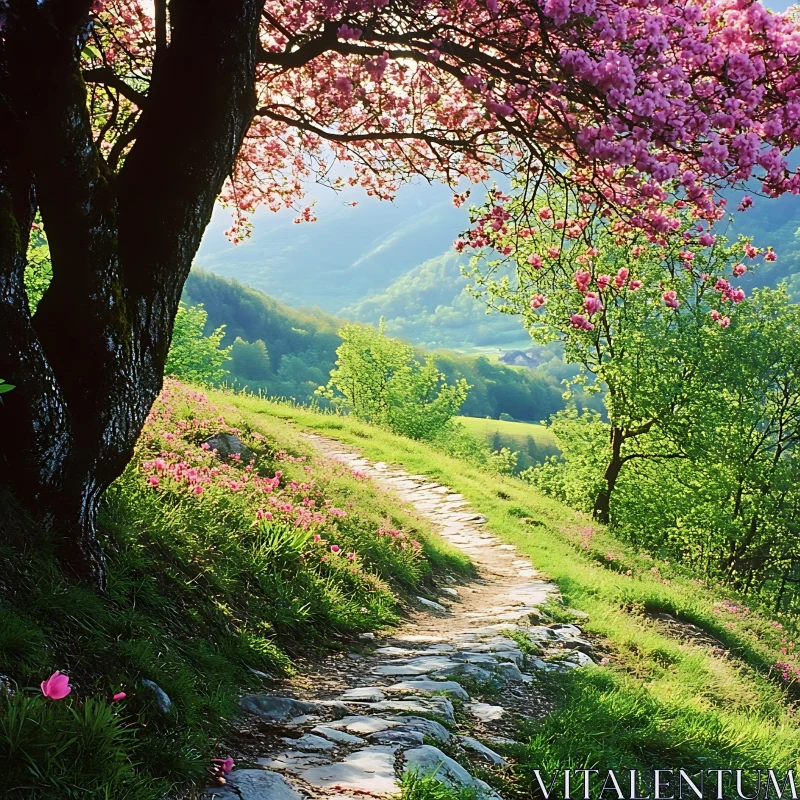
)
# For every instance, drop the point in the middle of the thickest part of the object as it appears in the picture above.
(634, 285)
(671, 299)
(335, 548)
(119, 696)
(351, 556)
(153, 481)
(715, 315)
(686, 255)
(739, 270)
(553, 252)
(580, 322)
(771, 255)
(198, 490)
(592, 303)
(706, 239)
(750, 251)
(205, 446)
(582, 278)
(546, 213)
(224, 765)
(535, 261)
(724, 322)
(603, 281)
(746, 203)
(317, 537)
(537, 301)
(56, 687)
(621, 277)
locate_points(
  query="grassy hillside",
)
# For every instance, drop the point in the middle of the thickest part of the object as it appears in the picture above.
(301, 347)
(533, 442)
(695, 677)
(219, 575)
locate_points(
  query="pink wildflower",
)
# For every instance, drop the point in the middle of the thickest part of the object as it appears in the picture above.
(56, 687)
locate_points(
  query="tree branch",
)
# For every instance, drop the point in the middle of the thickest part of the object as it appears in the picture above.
(108, 77)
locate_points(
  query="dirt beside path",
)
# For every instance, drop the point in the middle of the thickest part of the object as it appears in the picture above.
(455, 678)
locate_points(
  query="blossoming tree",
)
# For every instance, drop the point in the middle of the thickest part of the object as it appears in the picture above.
(122, 123)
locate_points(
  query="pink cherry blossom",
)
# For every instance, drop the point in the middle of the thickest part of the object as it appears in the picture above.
(582, 279)
(723, 322)
(671, 299)
(603, 281)
(56, 687)
(635, 285)
(592, 303)
(621, 277)
(770, 255)
(535, 261)
(580, 322)
(537, 301)
(739, 270)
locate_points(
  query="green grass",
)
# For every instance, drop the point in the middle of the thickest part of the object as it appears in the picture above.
(727, 704)
(533, 442)
(200, 594)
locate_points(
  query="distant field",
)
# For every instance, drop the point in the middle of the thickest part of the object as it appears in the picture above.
(533, 442)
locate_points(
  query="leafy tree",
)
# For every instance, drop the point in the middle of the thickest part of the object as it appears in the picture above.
(193, 356)
(641, 318)
(250, 360)
(379, 380)
(122, 123)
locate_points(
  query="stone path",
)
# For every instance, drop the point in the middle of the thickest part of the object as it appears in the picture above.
(453, 675)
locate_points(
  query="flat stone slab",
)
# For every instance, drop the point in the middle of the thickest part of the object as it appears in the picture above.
(485, 712)
(254, 784)
(363, 724)
(482, 750)
(428, 760)
(427, 727)
(340, 737)
(430, 604)
(276, 709)
(367, 694)
(428, 687)
(427, 705)
(310, 742)
(417, 666)
(370, 770)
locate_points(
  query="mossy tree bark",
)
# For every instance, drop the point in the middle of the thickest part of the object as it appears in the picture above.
(88, 364)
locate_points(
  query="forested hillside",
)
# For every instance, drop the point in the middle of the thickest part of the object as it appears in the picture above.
(286, 352)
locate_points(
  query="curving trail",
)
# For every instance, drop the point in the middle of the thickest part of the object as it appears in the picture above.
(348, 728)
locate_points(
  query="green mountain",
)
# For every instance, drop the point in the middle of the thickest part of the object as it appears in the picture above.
(289, 352)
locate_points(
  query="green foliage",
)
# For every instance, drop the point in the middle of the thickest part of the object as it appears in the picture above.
(39, 268)
(379, 380)
(426, 787)
(68, 749)
(5, 387)
(302, 346)
(194, 356)
(250, 360)
(201, 592)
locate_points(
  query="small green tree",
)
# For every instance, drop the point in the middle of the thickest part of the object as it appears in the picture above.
(379, 380)
(250, 360)
(193, 356)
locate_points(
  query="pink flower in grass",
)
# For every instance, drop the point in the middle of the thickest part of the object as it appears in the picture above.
(335, 548)
(56, 687)
(351, 556)
(119, 696)
(223, 765)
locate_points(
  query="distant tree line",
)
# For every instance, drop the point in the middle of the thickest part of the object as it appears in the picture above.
(287, 352)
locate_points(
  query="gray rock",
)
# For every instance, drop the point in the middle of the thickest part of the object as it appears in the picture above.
(427, 760)
(308, 742)
(336, 708)
(427, 727)
(564, 631)
(430, 604)
(466, 670)
(370, 770)
(363, 724)
(366, 694)
(435, 705)
(579, 659)
(227, 444)
(448, 590)
(482, 750)
(254, 784)
(485, 712)
(276, 709)
(395, 651)
(159, 697)
(400, 736)
(508, 671)
(417, 666)
(340, 737)
(577, 644)
(428, 687)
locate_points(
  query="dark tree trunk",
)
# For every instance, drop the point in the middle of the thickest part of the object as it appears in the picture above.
(88, 365)
(602, 503)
